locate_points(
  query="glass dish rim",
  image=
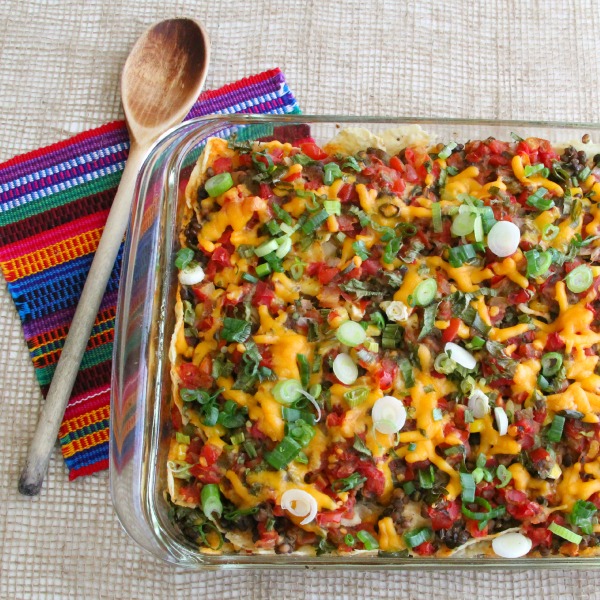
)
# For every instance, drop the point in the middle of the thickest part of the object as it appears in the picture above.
(189, 129)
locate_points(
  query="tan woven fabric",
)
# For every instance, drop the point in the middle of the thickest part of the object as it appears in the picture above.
(59, 68)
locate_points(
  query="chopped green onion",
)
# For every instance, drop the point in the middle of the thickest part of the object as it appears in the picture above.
(436, 217)
(412, 447)
(249, 278)
(565, 533)
(356, 396)
(584, 174)
(297, 270)
(478, 229)
(245, 250)
(458, 255)
(391, 250)
(538, 201)
(349, 540)
(481, 460)
(235, 330)
(391, 335)
(218, 184)
(408, 487)
(301, 458)
(333, 207)
(437, 414)
(467, 483)
(282, 214)
(533, 169)
(284, 453)
(291, 415)
(425, 292)
(350, 334)
(446, 151)
(537, 262)
(484, 517)
(477, 475)
(284, 248)
(332, 172)
(476, 343)
(304, 369)
(266, 248)
(348, 483)
(301, 432)
(315, 222)
(237, 438)
(580, 279)
(182, 438)
(250, 449)
(488, 219)
(367, 539)
(504, 475)
(210, 498)
(360, 250)
(555, 432)
(273, 227)
(582, 516)
(550, 232)
(418, 536)
(263, 269)
(463, 223)
(183, 258)
(287, 391)
(426, 478)
(551, 363)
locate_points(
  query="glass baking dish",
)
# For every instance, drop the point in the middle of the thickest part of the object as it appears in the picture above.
(141, 384)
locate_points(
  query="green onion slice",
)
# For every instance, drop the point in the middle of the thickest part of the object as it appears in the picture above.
(425, 292)
(350, 333)
(537, 262)
(266, 248)
(287, 391)
(418, 536)
(367, 539)
(333, 207)
(555, 432)
(550, 232)
(356, 396)
(210, 498)
(467, 483)
(463, 223)
(580, 279)
(504, 475)
(565, 533)
(551, 363)
(436, 217)
(218, 184)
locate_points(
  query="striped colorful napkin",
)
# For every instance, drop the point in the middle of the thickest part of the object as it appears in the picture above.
(53, 205)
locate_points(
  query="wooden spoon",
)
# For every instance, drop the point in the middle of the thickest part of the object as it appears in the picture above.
(161, 80)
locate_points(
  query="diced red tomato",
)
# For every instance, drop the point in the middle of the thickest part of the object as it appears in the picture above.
(371, 266)
(268, 539)
(347, 193)
(386, 375)
(292, 176)
(425, 549)
(222, 165)
(327, 274)
(263, 294)
(444, 514)
(313, 151)
(520, 297)
(375, 483)
(450, 333)
(190, 493)
(221, 257)
(210, 474)
(265, 191)
(472, 527)
(192, 377)
(210, 453)
(396, 164)
(554, 343)
(539, 536)
(336, 417)
(330, 518)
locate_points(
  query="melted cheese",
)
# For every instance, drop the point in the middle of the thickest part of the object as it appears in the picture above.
(519, 171)
(467, 277)
(389, 540)
(509, 268)
(573, 322)
(493, 443)
(571, 487)
(524, 482)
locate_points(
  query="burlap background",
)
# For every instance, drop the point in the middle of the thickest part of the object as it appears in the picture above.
(59, 68)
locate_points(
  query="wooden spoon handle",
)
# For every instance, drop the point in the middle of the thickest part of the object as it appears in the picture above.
(46, 432)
